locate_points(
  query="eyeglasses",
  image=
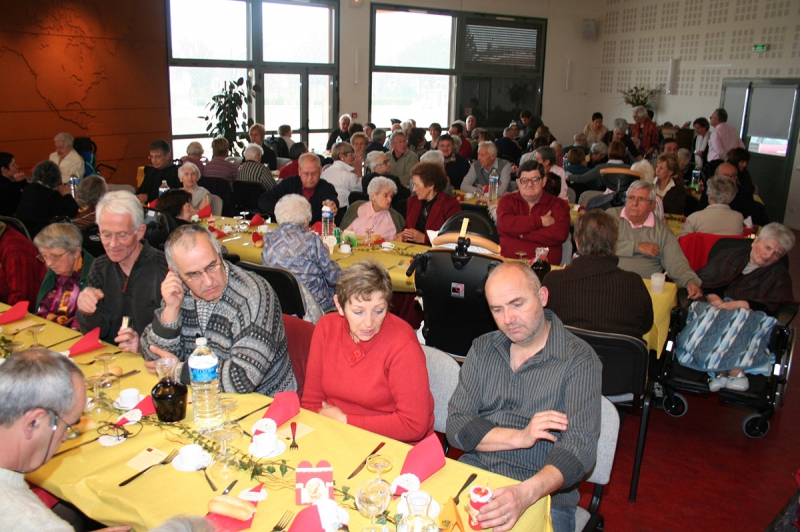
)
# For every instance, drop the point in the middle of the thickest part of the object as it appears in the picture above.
(413, 185)
(209, 270)
(107, 236)
(71, 432)
(524, 181)
(52, 258)
(129, 430)
(637, 199)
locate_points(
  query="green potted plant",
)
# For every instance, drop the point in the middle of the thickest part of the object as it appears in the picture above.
(225, 109)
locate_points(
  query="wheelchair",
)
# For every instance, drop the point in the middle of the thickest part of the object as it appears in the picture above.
(765, 392)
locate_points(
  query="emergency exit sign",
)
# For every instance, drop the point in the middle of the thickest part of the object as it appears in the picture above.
(761, 47)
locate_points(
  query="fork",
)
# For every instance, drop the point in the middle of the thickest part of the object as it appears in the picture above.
(165, 461)
(87, 363)
(281, 525)
(294, 446)
(205, 472)
(401, 263)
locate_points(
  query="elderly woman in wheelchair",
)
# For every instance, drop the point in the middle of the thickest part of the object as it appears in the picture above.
(744, 289)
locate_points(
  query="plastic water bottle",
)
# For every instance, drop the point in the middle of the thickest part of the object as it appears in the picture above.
(163, 188)
(327, 221)
(204, 373)
(493, 180)
(74, 181)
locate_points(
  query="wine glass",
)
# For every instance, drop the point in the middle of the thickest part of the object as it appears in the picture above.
(9, 348)
(372, 498)
(522, 256)
(33, 329)
(109, 379)
(225, 465)
(228, 404)
(368, 241)
(378, 464)
(98, 407)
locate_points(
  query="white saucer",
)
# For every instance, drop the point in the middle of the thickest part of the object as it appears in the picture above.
(120, 406)
(433, 510)
(178, 464)
(280, 448)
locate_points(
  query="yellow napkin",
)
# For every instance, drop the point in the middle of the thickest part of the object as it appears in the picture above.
(451, 516)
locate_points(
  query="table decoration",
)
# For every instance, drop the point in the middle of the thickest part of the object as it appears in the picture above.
(314, 483)
(205, 212)
(15, 313)
(89, 342)
(423, 460)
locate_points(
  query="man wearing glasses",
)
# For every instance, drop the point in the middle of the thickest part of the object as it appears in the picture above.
(44, 394)
(127, 280)
(235, 310)
(160, 169)
(646, 245)
(530, 217)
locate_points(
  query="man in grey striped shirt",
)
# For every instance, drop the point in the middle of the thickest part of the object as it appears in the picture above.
(527, 404)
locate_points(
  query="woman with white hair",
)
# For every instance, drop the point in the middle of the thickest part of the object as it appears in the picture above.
(189, 174)
(194, 154)
(376, 215)
(293, 247)
(341, 173)
(69, 162)
(718, 218)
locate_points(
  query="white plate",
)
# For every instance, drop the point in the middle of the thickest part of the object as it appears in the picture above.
(178, 464)
(433, 510)
(120, 406)
(279, 450)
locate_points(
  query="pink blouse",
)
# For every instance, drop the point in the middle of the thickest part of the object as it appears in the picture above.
(380, 222)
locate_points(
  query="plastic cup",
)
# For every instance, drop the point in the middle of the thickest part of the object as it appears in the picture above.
(657, 283)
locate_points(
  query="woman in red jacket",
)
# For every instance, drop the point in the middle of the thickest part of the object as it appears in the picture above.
(365, 366)
(429, 207)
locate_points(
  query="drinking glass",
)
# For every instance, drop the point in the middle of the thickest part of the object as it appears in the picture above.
(98, 407)
(110, 381)
(522, 256)
(228, 404)
(225, 465)
(372, 499)
(9, 348)
(378, 464)
(368, 241)
(33, 330)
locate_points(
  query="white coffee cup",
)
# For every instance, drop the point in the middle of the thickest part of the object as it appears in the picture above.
(345, 248)
(266, 443)
(191, 454)
(195, 218)
(263, 229)
(469, 195)
(657, 283)
(129, 397)
(227, 229)
(388, 246)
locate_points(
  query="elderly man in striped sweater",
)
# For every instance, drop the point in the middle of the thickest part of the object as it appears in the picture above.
(527, 403)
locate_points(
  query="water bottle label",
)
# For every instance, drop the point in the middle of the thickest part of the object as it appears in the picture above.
(203, 374)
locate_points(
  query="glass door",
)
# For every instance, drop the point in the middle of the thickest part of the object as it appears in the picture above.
(302, 100)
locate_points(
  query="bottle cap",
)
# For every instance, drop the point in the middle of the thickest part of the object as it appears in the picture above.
(200, 342)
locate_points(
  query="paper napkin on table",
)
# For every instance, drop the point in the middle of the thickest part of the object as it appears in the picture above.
(89, 342)
(450, 518)
(15, 313)
(423, 460)
(324, 515)
(256, 221)
(205, 212)
(217, 233)
(146, 406)
(257, 237)
(285, 406)
(229, 524)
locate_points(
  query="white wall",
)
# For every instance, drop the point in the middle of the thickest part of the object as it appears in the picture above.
(560, 109)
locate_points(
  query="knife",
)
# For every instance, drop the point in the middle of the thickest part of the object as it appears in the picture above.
(131, 372)
(229, 488)
(76, 446)
(362, 464)
(469, 481)
(253, 412)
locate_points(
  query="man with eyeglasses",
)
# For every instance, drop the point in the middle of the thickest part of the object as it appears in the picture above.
(160, 169)
(43, 394)
(235, 310)
(126, 281)
(530, 217)
(646, 245)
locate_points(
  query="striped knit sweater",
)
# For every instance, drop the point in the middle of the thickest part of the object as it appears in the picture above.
(564, 376)
(245, 331)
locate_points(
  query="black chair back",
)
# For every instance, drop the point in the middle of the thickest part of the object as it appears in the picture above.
(222, 188)
(16, 224)
(159, 225)
(246, 194)
(479, 224)
(452, 291)
(285, 285)
(233, 258)
(357, 196)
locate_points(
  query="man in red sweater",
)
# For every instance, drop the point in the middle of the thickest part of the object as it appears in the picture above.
(21, 273)
(457, 130)
(531, 218)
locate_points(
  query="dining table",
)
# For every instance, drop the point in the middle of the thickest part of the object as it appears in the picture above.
(396, 260)
(88, 474)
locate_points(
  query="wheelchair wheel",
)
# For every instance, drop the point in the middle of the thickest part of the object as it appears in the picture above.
(676, 408)
(753, 427)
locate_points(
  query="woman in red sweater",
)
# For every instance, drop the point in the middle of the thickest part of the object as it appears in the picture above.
(366, 367)
(429, 207)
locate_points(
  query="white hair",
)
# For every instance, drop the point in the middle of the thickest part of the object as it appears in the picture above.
(433, 156)
(489, 145)
(253, 152)
(347, 116)
(186, 167)
(646, 169)
(640, 111)
(121, 202)
(379, 183)
(64, 138)
(195, 148)
(293, 209)
(374, 157)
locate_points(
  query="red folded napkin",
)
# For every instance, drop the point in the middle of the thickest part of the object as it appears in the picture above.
(153, 204)
(423, 460)
(217, 233)
(90, 342)
(317, 228)
(15, 313)
(285, 406)
(205, 212)
(257, 237)
(256, 221)
(229, 524)
(146, 406)
(307, 520)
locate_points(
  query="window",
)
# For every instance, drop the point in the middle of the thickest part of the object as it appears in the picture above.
(452, 64)
(215, 41)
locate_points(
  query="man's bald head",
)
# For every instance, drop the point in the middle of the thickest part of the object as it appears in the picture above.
(728, 170)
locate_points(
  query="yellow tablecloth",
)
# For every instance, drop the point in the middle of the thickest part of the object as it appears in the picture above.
(88, 476)
(244, 247)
